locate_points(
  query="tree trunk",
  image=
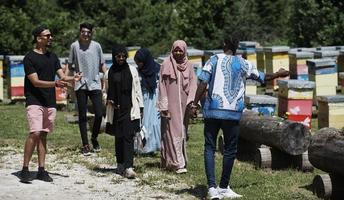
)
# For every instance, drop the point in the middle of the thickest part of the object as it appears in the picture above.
(290, 137)
(326, 150)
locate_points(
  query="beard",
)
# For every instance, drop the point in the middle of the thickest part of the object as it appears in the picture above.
(49, 44)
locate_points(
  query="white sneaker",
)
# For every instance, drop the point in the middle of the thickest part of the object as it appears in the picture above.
(228, 193)
(129, 173)
(181, 171)
(213, 193)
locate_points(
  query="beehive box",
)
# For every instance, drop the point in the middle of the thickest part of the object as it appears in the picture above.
(262, 104)
(251, 87)
(326, 48)
(276, 57)
(295, 100)
(297, 65)
(331, 111)
(324, 73)
(326, 54)
(16, 77)
(296, 89)
(132, 51)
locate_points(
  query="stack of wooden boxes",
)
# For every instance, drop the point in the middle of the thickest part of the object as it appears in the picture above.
(263, 104)
(295, 100)
(276, 57)
(324, 73)
(15, 78)
(297, 65)
(331, 111)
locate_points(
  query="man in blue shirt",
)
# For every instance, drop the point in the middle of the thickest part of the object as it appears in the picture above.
(225, 75)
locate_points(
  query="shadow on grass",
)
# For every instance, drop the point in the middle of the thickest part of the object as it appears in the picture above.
(33, 175)
(199, 191)
(307, 187)
(105, 170)
(153, 165)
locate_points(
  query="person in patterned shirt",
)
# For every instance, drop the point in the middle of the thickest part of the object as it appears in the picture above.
(225, 75)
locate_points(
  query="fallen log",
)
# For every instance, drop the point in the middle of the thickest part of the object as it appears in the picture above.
(326, 150)
(290, 137)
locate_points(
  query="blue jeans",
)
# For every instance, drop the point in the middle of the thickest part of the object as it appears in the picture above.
(230, 129)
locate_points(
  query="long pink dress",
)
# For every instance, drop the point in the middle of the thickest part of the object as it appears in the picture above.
(175, 93)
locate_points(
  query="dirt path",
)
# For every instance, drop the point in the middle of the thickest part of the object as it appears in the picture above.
(73, 181)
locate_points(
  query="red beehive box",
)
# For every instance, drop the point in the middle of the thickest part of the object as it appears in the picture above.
(303, 119)
(294, 106)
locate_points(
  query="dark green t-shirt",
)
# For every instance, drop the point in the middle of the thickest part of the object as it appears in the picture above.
(45, 65)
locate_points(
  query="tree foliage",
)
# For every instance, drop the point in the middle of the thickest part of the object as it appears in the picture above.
(156, 24)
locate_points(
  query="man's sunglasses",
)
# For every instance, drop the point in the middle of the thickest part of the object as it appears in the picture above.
(47, 35)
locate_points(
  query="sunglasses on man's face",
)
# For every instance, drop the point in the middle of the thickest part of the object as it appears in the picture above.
(49, 35)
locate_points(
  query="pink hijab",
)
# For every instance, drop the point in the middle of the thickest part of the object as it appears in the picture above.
(170, 65)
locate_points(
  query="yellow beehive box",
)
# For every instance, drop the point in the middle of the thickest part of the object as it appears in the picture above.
(325, 79)
(331, 111)
(17, 81)
(324, 90)
(132, 50)
(276, 57)
(251, 87)
(296, 89)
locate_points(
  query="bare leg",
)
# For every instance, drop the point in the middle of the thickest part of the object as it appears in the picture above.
(30, 144)
(42, 149)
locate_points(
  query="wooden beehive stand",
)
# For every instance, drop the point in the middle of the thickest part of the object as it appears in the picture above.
(326, 152)
(272, 142)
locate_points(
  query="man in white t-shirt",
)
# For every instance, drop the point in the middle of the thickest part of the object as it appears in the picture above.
(86, 56)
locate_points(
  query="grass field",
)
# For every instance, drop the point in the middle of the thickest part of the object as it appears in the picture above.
(252, 183)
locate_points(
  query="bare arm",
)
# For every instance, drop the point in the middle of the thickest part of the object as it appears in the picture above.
(64, 77)
(280, 73)
(202, 86)
(40, 83)
(103, 68)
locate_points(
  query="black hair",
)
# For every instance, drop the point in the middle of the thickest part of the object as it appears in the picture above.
(231, 42)
(86, 25)
(37, 31)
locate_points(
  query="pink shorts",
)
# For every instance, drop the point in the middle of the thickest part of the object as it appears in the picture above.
(40, 119)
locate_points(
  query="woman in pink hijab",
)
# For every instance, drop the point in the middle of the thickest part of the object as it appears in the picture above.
(177, 87)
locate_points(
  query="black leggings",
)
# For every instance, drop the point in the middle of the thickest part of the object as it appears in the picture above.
(124, 145)
(96, 99)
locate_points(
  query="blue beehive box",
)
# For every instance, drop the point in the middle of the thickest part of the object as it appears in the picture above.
(321, 66)
(263, 104)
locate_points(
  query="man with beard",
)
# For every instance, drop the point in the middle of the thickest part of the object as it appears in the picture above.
(40, 67)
